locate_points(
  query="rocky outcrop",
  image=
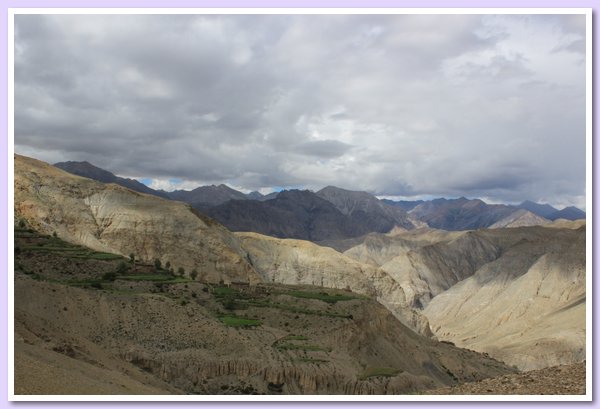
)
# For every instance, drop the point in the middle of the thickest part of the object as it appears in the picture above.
(291, 261)
(110, 218)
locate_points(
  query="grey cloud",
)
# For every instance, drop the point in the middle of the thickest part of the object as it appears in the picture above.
(323, 149)
(396, 105)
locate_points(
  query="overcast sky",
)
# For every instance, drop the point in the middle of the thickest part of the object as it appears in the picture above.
(398, 105)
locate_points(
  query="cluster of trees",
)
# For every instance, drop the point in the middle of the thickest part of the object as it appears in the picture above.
(158, 266)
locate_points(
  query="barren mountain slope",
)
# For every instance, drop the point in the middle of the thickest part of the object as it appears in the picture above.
(289, 261)
(527, 307)
(108, 217)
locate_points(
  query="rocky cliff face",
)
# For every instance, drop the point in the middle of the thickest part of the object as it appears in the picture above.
(301, 262)
(108, 217)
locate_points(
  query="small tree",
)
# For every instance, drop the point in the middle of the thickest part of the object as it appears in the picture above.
(168, 265)
(194, 274)
(109, 276)
(132, 258)
(181, 271)
(22, 223)
(122, 268)
(157, 264)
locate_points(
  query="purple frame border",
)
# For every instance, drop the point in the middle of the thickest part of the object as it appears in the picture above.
(4, 173)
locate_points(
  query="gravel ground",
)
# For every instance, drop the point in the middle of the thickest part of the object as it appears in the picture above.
(556, 380)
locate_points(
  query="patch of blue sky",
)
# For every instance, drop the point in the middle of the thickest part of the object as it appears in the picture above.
(146, 181)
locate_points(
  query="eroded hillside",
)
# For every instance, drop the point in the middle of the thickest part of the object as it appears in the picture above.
(90, 322)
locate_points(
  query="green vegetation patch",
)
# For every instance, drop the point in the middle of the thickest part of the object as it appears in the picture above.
(224, 291)
(97, 256)
(297, 310)
(379, 371)
(296, 338)
(293, 347)
(312, 360)
(323, 296)
(162, 278)
(239, 322)
(58, 246)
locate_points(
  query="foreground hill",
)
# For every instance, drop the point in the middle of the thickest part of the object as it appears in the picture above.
(110, 218)
(82, 328)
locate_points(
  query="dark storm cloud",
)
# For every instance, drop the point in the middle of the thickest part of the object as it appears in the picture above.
(324, 149)
(490, 106)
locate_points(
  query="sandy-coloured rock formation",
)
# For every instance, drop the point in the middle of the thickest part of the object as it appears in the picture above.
(111, 218)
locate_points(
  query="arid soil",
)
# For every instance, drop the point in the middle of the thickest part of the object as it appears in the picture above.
(556, 380)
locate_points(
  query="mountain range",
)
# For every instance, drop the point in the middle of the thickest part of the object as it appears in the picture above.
(251, 313)
(333, 213)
